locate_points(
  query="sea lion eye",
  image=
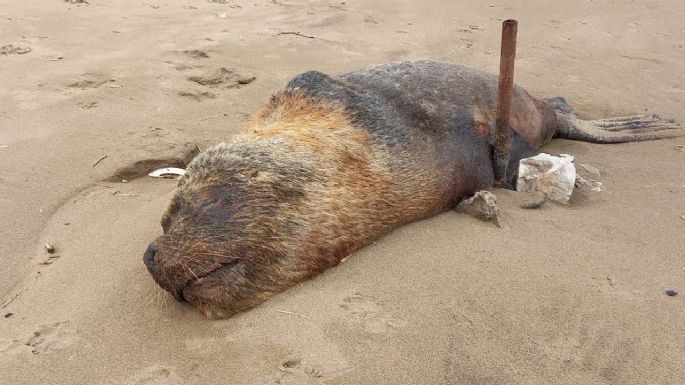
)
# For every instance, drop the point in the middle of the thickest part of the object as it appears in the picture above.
(173, 208)
(214, 204)
(218, 209)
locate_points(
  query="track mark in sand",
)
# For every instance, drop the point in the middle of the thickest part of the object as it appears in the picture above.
(87, 104)
(198, 345)
(641, 59)
(397, 54)
(87, 81)
(368, 19)
(77, 2)
(143, 167)
(371, 314)
(294, 371)
(227, 2)
(197, 95)
(277, 2)
(589, 341)
(46, 339)
(223, 77)
(609, 285)
(196, 54)
(154, 375)
(296, 33)
(12, 49)
(180, 66)
(54, 337)
(49, 260)
(471, 28)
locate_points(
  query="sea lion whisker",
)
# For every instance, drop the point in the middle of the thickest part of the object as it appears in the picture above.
(154, 296)
(188, 269)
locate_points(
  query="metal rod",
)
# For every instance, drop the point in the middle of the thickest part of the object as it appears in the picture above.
(504, 98)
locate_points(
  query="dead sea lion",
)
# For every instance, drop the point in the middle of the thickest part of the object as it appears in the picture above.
(332, 163)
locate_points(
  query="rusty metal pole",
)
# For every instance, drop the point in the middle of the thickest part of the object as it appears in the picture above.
(504, 96)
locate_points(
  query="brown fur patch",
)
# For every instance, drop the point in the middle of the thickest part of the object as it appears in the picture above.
(481, 121)
(356, 177)
(320, 125)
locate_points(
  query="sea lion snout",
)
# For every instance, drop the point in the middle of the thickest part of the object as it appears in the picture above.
(149, 258)
(163, 280)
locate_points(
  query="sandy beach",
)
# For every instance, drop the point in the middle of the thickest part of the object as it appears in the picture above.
(93, 93)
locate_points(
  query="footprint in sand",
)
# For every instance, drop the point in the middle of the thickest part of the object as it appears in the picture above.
(46, 339)
(371, 314)
(368, 19)
(196, 53)
(178, 66)
(294, 371)
(192, 53)
(230, 4)
(224, 78)
(197, 95)
(397, 54)
(87, 81)
(153, 375)
(198, 345)
(87, 104)
(12, 49)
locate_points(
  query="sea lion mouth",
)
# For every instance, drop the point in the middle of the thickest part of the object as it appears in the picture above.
(198, 280)
(178, 293)
(177, 287)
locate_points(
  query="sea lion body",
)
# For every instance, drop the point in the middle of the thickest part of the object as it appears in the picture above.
(333, 162)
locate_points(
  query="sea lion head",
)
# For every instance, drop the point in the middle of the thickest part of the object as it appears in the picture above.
(230, 231)
(197, 259)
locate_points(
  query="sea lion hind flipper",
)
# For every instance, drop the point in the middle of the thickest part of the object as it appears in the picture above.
(623, 129)
(635, 124)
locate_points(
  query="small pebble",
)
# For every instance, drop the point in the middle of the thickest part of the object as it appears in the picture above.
(671, 293)
(50, 248)
(7, 315)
